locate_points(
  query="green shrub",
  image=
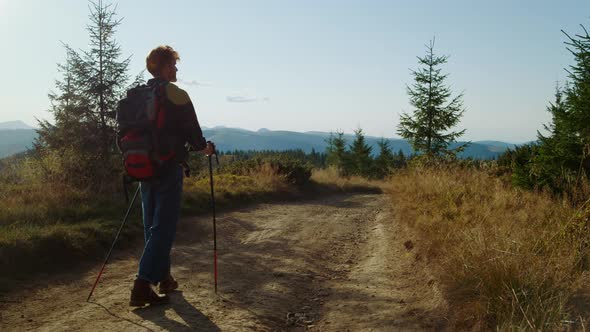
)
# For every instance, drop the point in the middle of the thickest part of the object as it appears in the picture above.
(294, 171)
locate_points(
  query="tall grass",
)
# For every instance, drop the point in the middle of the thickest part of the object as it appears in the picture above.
(40, 213)
(254, 185)
(48, 225)
(330, 179)
(507, 259)
(34, 190)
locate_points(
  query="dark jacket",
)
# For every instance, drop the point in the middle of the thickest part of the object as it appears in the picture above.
(181, 126)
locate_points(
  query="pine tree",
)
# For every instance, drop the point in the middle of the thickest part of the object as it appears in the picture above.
(578, 91)
(522, 166)
(316, 158)
(336, 154)
(557, 162)
(399, 160)
(563, 155)
(360, 155)
(68, 108)
(384, 162)
(83, 106)
(577, 95)
(102, 77)
(429, 129)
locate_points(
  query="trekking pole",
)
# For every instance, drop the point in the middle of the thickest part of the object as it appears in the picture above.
(214, 223)
(113, 245)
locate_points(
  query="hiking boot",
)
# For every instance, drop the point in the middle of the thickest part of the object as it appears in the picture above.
(142, 294)
(167, 285)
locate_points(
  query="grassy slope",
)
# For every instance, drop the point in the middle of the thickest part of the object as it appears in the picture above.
(507, 259)
(51, 230)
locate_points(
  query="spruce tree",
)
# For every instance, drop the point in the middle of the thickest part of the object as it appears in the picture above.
(577, 95)
(336, 154)
(68, 108)
(563, 155)
(103, 75)
(429, 128)
(578, 90)
(83, 106)
(399, 160)
(557, 162)
(360, 162)
(384, 162)
(315, 158)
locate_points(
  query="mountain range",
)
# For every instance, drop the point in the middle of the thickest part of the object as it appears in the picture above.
(16, 136)
(14, 125)
(265, 139)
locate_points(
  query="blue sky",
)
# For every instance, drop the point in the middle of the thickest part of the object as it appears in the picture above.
(313, 65)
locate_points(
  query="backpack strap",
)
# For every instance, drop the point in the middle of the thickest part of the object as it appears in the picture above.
(159, 87)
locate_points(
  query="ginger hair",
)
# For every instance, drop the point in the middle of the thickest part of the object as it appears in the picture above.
(160, 57)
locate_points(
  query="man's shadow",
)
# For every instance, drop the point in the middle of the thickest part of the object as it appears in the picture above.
(194, 319)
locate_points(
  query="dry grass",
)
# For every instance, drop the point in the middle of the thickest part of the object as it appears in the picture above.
(44, 203)
(37, 217)
(330, 179)
(507, 259)
(75, 225)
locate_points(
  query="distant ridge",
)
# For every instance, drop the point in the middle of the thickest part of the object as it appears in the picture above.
(229, 139)
(14, 140)
(14, 125)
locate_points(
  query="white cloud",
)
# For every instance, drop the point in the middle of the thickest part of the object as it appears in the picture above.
(245, 99)
(193, 82)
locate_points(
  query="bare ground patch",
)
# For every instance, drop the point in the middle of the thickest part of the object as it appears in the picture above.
(332, 264)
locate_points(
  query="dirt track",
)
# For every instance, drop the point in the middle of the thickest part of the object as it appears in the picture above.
(335, 264)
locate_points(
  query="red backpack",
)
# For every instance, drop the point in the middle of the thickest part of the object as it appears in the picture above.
(140, 126)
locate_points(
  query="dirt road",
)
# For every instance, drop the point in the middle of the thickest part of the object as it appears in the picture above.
(334, 264)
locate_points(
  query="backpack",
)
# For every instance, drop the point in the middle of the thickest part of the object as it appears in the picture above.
(140, 127)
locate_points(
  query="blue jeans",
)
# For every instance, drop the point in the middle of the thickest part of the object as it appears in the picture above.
(161, 210)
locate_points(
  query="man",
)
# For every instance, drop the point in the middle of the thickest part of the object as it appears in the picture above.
(161, 197)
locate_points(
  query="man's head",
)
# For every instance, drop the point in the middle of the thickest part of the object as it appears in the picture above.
(161, 63)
